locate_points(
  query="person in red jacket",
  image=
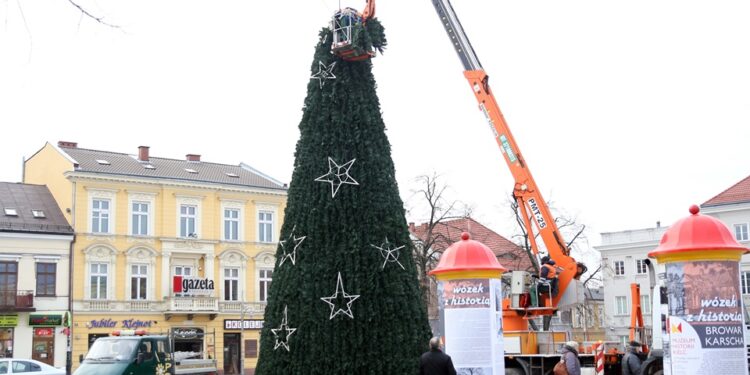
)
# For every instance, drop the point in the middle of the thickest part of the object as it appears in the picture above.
(435, 362)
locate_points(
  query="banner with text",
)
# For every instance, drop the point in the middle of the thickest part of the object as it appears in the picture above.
(706, 324)
(472, 324)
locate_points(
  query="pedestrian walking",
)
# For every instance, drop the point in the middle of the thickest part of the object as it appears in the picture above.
(435, 362)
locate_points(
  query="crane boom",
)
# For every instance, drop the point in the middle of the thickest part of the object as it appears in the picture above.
(525, 191)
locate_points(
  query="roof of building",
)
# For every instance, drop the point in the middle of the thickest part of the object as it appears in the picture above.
(122, 164)
(510, 255)
(30, 208)
(737, 193)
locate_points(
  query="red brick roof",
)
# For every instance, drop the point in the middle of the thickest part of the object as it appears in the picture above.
(510, 255)
(738, 193)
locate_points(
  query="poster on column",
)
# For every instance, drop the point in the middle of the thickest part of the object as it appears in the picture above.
(471, 326)
(706, 324)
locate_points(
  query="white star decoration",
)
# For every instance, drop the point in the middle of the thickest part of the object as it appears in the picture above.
(324, 73)
(335, 296)
(389, 253)
(283, 340)
(338, 175)
(292, 255)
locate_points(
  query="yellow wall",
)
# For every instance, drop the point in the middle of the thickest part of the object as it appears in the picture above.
(47, 167)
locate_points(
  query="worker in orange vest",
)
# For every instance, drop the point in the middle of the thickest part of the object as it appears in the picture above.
(548, 273)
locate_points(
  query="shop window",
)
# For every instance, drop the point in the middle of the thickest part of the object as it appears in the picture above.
(46, 274)
(6, 342)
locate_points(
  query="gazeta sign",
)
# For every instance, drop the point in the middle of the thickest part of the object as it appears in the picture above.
(192, 286)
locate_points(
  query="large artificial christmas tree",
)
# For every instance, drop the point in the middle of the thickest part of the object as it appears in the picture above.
(345, 298)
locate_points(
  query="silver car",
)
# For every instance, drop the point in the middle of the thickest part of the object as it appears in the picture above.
(30, 366)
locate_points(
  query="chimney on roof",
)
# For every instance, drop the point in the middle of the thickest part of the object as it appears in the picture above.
(143, 153)
(193, 157)
(412, 227)
(67, 144)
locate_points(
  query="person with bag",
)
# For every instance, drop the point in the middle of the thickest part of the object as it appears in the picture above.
(569, 363)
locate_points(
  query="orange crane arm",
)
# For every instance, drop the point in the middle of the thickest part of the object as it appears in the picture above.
(525, 191)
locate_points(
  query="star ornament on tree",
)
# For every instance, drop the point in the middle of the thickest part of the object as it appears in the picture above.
(291, 241)
(324, 72)
(390, 253)
(344, 296)
(338, 175)
(282, 333)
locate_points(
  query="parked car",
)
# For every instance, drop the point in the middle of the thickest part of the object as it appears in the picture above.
(23, 366)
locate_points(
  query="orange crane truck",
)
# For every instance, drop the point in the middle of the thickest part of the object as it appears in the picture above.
(527, 351)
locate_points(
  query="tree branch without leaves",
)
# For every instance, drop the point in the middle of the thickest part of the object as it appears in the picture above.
(93, 17)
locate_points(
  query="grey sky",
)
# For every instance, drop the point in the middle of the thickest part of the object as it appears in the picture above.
(627, 112)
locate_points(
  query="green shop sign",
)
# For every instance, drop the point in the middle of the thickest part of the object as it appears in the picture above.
(45, 320)
(8, 320)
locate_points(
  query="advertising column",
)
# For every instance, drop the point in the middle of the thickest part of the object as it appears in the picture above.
(705, 323)
(470, 299)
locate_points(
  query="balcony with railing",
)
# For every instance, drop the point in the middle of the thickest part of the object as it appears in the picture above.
(192, 304)
(251, 308)
(17, 300)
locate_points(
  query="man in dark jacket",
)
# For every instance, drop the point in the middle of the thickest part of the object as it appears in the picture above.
(631, 362)
(435, 362)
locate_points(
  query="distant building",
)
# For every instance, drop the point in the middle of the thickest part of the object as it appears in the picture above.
(162, 244)
(35, 244)
(444, 234)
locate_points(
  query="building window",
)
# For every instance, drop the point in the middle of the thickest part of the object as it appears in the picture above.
(265, 226)
(621, 305)
(646, 304)
(46, 274)
(99, 281)
(100, 216)
(740, 232)
(619, 267)
(264, 281)
(138, 281)
(8, 283)
(231, 284)
(745, 282)
(187, 221)
(231, 224)
(640, 266)
(184, 271)
(140, 218)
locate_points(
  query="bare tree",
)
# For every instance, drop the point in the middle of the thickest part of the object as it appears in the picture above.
(439, 209)
(88, 14)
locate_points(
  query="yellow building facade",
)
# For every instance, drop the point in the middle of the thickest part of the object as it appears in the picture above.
(166, 245)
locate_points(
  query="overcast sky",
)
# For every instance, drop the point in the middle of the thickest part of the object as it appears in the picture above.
(627, 112)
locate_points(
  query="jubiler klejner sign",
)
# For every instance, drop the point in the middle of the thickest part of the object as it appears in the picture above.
(190, 286)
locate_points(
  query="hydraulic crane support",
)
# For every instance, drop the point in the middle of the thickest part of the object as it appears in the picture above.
(529, 198)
